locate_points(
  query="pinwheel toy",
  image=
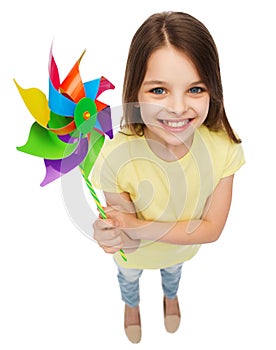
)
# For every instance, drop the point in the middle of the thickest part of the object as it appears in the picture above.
(70, 126)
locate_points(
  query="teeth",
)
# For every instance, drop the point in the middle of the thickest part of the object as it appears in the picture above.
(176, 124)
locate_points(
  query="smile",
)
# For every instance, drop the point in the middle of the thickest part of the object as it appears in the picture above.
(176, 124)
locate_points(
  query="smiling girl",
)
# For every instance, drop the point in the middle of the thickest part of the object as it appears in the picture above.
(168, 174)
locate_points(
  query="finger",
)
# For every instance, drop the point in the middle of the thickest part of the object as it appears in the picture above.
(114, 248)
(103, 224)
(110, 250)
(108, 223)
(106, 249)
(106, 235)
(112, 242)
(112, 211)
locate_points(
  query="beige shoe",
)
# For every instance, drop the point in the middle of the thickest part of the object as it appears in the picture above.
(171, 318)
(133, 324)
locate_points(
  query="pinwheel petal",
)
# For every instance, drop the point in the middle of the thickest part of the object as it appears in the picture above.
(36, 102)
(91, 88)
(100, 105)
(61, 125)
(58, 167)
(72, 84)
(104, 85)
(43, 143)
(65, 130)
(53, 70)
(96, 143)
(104, 119)
(60, 104)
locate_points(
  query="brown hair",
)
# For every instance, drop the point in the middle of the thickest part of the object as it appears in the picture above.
(189, 35)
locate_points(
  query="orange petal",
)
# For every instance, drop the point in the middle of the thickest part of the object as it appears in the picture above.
(67, 129)
(72, 84)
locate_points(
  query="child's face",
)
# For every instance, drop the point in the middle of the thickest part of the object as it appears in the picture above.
(173, 100)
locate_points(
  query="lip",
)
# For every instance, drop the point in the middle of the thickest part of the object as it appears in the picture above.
(176, 125)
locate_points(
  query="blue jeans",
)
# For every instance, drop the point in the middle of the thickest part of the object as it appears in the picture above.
(129, 283)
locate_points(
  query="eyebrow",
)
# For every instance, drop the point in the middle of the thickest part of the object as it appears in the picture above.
(154, 82)
(160, 82)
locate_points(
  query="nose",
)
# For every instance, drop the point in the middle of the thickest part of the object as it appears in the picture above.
(177, 105)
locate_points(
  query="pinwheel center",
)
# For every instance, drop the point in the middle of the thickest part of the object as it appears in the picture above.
(86, 115)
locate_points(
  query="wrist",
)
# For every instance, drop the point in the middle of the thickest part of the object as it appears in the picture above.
(135, 229)
(130, 245)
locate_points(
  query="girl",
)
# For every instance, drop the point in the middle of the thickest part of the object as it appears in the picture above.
(168, 174)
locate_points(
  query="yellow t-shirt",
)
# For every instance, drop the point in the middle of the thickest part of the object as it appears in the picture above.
(165, 191)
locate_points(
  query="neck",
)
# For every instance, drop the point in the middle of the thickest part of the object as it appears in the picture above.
(168, 152)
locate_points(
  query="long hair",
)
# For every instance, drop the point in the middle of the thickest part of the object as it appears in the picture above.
(188, 35)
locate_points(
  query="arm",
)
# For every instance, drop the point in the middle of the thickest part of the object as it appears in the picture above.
(205, 230)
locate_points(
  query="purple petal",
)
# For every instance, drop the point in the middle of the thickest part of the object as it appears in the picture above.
(57, 167)
(104, 118)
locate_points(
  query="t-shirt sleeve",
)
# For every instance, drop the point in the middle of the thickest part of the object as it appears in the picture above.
(235, 159)
(104, 174)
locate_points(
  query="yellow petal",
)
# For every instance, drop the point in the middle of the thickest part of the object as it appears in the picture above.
(36, 102)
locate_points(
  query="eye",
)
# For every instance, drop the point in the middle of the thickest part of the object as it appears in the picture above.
(196, 90)
(158, 91)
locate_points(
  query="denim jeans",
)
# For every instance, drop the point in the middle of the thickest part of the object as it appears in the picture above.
(129, 283)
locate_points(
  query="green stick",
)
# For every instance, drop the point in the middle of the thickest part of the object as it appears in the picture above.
(99, 206)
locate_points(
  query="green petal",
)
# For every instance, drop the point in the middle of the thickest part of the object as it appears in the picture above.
(43, 143)
(58, 121)
(97, 141)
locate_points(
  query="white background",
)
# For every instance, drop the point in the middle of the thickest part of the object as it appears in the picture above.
(58, 290)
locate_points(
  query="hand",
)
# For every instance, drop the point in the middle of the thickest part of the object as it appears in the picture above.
(121, 218)
(108, 235)
(111, 238)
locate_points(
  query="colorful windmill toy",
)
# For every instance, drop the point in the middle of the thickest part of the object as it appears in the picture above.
(70, 127)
